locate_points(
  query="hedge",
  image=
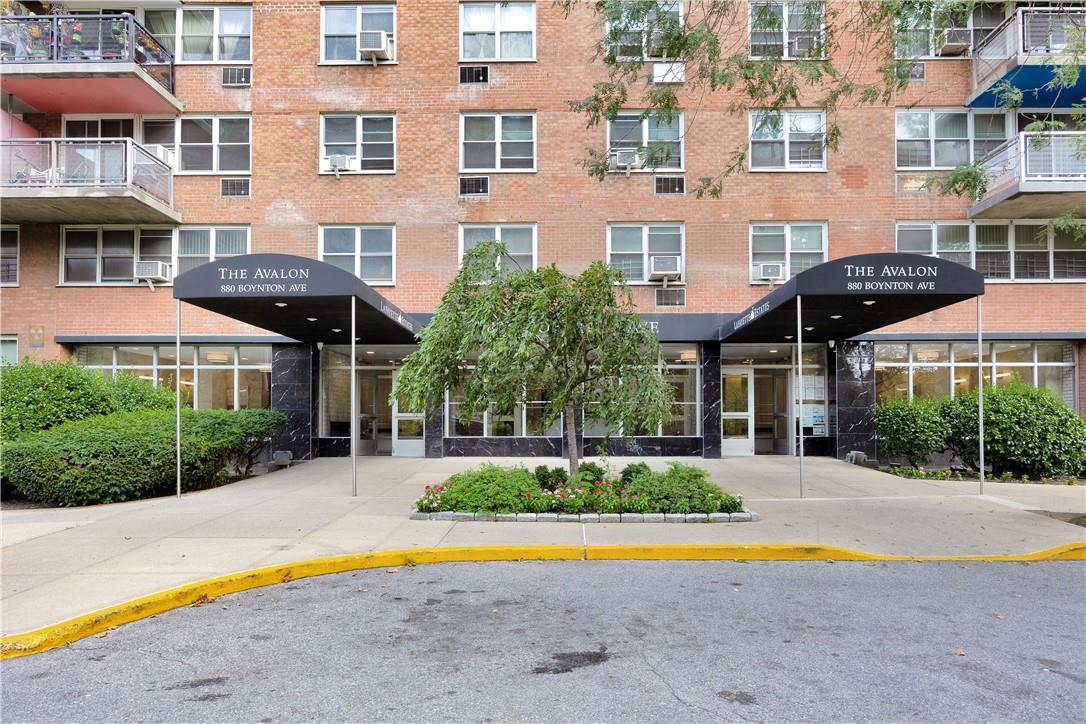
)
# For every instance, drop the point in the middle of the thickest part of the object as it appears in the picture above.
(131, 455)
(912, 429)
(37, 396)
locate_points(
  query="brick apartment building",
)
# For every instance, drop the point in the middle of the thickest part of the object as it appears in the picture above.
(384, 137)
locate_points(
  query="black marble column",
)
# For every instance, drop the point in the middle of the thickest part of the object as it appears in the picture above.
(292, 393)
(709, 356)
(434, 430)
(856, 398)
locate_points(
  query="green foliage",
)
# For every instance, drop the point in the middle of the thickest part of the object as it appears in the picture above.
(129, 393)
(575, 341)
(591, 472)
(131, 455)
(490, 488)
(241, 434)
(550, 478)
(1027, 431)
(969, 180)
(634, 470)
(911, 429)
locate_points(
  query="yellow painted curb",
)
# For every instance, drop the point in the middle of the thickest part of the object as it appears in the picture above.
(74, 629)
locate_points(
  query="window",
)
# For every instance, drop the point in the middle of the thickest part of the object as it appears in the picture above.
(497, 31)
(199, 245)
(9, 256)
(368, 142)
(798, 246)
(929, 138)
(341, 25)
(497, 142)
(642, 35)
(107, 255)
(207, 34)
(786, 30)
(787, 141)
(658, 141)
(215, 377)
(921, 27)
(368, 252)
(519, 241)
(680, 363)
(9, 350)
(935, 370)
(630, 247)
(524, 420)
(1000, 250)
(214, 144)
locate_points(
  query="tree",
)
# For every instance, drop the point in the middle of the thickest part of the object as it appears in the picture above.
(501, 332)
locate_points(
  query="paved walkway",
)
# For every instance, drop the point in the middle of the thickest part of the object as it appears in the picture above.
(59, 563)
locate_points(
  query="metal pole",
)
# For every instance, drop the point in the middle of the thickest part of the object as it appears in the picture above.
(980, 385)
(177, 394)
(354, 404)
(799, 382)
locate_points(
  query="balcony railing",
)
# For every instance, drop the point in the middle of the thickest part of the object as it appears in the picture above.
(1041, 156)
(1035, 32)
(84, 39)
(62, 163)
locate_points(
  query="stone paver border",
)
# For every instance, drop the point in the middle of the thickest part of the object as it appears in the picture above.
(743, 516)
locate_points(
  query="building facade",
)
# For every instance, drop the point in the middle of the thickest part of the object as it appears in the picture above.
(142, 140)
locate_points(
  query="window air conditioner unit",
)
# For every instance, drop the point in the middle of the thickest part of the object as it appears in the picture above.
(770, 272)
(665, 267)
(151, 272)
(162, 153)
(954, 41)
(802, 46)
(342, 162)
(474, 185)
(237, 77)
(373, 44)
(625, 159)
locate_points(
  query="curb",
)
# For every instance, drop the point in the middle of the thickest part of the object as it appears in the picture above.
(743, 516)
(74, 629)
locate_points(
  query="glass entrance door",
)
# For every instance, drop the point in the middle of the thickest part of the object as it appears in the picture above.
(407, 431)
(737, 411)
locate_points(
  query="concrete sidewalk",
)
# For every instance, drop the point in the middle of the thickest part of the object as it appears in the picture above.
(59, 563)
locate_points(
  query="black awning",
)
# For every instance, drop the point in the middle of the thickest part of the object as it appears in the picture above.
(853, 295)
(297, 297)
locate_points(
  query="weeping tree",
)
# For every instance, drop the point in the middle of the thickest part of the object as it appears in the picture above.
(502, 332)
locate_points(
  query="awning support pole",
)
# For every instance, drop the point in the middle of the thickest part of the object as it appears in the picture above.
(354, 403)
(799, 383)
(980, 385)
(177, 395)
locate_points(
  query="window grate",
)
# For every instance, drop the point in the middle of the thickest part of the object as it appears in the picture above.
(917, 72)
(474, 185)
(235, 188)
(670, 185)
(237, 77)
(474, 74)
(671, 297)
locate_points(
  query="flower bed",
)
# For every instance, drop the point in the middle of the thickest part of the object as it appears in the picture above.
(491, 490)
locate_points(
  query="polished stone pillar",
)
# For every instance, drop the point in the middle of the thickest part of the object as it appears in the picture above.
(709, 359)
(292, 384)
(856, 398)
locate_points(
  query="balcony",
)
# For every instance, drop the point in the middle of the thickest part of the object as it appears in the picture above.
(1024, 51)
(1035, 176)
(86, 64)
(84, 180)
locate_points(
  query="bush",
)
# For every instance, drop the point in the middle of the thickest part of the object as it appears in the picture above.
(129, 393)
(490, 488)
(632, 471)
(1027, 431)
(682, 489)
(913, 430)
(550, 478)
(591, 472)
(131, 455)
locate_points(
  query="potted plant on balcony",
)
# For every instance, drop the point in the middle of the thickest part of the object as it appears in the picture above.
(118, 29)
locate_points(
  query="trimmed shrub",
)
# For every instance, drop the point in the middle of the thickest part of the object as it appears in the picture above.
(550, 478)
(130, 455)
(1027, 431)
(36, 396)
(591, 472)
(632, 471)
(129, 393)
(491, 488)
(914, 430)
(682, 489)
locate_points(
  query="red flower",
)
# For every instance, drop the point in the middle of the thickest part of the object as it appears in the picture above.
(527, 494)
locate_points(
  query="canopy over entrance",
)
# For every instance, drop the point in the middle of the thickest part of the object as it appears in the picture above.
(297, 297)
(853, 295)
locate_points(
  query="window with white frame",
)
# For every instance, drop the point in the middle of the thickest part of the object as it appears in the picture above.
(107, 255)
(368, 252)
(1000, 250)
(9, 256)
(657, 140)
(934, 370)
(922, 27)
(631, 247)
(9, 350)
(367, 140)
(497, 142)
(497, 31)
(787, 141)
(214, 144)
(519, 241)
(797, 246)
(526, 419)
(341, 26)
(786, 30)
(198, 245)
(642, 34)
(206, 34)
(934, 138)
